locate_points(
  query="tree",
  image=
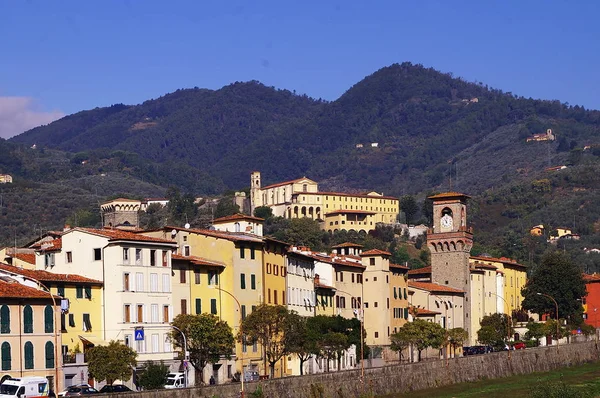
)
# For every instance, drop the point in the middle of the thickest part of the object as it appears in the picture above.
(154, 376)
(182, 207)
(226, 207)
(111, 362)
(303, 340)
(421, 335)
(535, 331)
(264, 212)
(558, 277)
(399, 344)
(334, 335)
(270, 325)
(495, 330)
(457, 337)
(208, 339)
(301, 232)
(409, 206)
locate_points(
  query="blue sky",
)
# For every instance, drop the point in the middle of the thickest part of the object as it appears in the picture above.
(60, 57)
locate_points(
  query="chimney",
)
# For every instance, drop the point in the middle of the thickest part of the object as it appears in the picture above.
(317, 279)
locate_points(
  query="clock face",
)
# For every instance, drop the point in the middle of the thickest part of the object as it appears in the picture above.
(446, 222)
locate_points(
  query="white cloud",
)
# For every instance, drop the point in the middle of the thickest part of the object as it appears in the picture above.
(19, 114)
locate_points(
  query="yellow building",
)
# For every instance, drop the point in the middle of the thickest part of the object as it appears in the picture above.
(376, 297)
(229, 271)
(29, 340)
(81, 303)
(274, 271)
(19, 257)
(398, 296)
(335, 211)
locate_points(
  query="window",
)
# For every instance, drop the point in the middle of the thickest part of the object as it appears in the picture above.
(155, 342)
(198, 306)
(5, 319)
(154, 282)
(243, 312)
(186, 250)
(165, 258)
(213, 278)
(184, 306)
(128, 340)
(268, 268)
(152, 258)
(125, 255)
(48, 319)
(154, 313)
(275, 270)
(282, 270)
(374, 279)
(49, 260)
(372, 261)
(243, 281)
(79, 291)
(140, 312)
(139, 282)
(166, 283)
(341, 276)
(28, 319)
(5, 353)
(69, 257)
(166, 313)
(97, 254)
(269, 296)
(252, 253)
(126, 282)
(127, 313)
(28, 355)
(72, 320)
(352, 277)
(213, 306)
(242, 252)
(87, 324)
(138, 256)
(376, 334)
(283, 297)
(197, 277)
(275, 296)
(253, 282)
(60, 290)
(88, 292)
(181, 276)
(49, 355)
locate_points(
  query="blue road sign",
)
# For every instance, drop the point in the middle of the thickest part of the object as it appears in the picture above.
(139, 334)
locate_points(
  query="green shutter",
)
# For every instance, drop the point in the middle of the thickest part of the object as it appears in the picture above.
(48, 319)
(243, 312)
(28, 355)
(5, 356)
(27, 319)
(213, 306)
(243, 281)
(253, 282)
(405, 294)
(49, 355)
(79, 291)
(5, 319)
(60, 291)
(88, 292)
(198, 306)
(406, 313)
(395, 295)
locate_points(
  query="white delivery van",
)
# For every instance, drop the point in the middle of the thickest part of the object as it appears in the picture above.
(174, 380)
(24, 387)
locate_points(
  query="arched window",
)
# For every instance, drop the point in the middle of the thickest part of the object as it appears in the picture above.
(237, 227)
(27, 319)
(48, 319)
(5, 356)
(5, 319)
(49, 355)
(28, 355)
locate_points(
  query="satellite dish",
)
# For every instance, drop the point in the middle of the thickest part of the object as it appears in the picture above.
(173, 232)
(187, 225)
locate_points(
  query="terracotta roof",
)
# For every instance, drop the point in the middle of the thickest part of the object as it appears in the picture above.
(238, 216)
(375, 252)
(232, 236)
(354, 195)
(279, 184)
(45, 276)
(346, 244)
(18, 291)
(424, 312)
(118, 234)
(420, 271)
(51, 245)
(348, 211)
(27, 257)
(503, 260)
(322, 286)
(484, 266)
(120, 200)
(198, 260)
(449, 195)
(590, 278)
(433, 287)
(341, 260)
(399, 266)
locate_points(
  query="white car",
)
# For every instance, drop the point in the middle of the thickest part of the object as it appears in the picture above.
(63, 392)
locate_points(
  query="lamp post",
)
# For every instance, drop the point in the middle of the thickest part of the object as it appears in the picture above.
(185, 357)
(241, 332)
(557, 318)
(362, 324)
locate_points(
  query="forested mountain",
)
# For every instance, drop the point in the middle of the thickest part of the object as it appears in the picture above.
(433, 132)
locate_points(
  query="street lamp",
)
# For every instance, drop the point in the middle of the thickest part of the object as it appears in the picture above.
(507, 318)
(362, 324)
(557, 319)
(241, 332)
(185, 357)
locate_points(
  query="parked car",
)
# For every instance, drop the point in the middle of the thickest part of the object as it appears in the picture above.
(519, 346)
(63, 392)
(114, 388)
(77, 391)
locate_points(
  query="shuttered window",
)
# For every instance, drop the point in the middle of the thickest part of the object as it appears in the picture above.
(28, 355)
(213, 306)
(49, 355)
(5, 319)
(48, 319)
(198, 306)
(5, 354)
(27, 319)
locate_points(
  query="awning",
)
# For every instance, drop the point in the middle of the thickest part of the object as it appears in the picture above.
(90, 339)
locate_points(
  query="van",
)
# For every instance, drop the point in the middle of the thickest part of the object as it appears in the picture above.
(174, 380)
(24, 387)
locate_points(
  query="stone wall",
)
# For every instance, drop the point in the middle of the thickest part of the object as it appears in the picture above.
(403, 378)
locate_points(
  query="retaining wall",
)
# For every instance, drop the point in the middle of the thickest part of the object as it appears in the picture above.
(401, 378)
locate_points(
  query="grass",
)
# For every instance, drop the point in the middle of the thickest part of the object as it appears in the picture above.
(584, 378)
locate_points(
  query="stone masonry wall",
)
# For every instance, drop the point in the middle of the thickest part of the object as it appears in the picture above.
(402, 378)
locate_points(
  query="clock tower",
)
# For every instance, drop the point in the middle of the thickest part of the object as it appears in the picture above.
(450, 245)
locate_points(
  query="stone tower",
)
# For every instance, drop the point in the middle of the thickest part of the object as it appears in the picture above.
(121, 213)
(450, 244)
(255, 195)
